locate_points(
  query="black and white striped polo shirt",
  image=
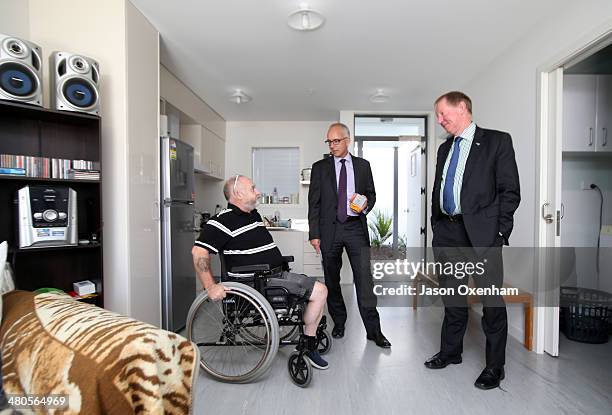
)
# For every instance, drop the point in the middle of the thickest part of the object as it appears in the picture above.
(242, 238)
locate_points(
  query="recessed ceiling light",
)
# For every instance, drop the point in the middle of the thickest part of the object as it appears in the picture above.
(239, 97)
(305, 19)
(379, 97)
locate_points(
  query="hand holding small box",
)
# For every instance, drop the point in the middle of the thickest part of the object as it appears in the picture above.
(358, 202)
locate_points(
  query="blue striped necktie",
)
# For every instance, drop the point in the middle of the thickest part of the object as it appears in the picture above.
(448, 200)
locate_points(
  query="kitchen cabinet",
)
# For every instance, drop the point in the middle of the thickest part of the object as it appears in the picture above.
(587, 113)
(208, 150)
(604, 113)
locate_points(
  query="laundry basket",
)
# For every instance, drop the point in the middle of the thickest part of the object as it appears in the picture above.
(586, 314)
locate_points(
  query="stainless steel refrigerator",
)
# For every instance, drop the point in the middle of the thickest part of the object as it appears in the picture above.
(177, 236)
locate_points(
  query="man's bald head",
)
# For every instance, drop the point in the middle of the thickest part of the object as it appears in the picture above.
(240, 191)
(343, 127)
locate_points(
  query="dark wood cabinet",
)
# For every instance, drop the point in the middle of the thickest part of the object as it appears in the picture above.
(39, 132)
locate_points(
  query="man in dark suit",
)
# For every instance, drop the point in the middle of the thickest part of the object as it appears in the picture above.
(476, 192)
(334, 226)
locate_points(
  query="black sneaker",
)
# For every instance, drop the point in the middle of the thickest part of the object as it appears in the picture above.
(316, 360)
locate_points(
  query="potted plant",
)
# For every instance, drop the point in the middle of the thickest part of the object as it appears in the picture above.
(381, 229)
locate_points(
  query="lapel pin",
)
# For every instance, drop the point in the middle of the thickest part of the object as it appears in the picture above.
(477, 143)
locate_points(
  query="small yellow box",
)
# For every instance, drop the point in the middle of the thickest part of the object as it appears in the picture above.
(358, 202)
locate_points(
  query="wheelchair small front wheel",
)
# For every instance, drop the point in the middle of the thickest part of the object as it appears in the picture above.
(300, 369)
(324, 341)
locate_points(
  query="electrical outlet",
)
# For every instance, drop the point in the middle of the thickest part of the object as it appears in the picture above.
(584, 186)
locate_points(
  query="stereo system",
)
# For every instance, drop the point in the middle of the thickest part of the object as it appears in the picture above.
(74, 79)
(46, 216)
(20, 70)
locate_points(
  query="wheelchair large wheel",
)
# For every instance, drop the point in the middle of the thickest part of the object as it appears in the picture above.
(219, 329)
(324, 341)
(300, 369)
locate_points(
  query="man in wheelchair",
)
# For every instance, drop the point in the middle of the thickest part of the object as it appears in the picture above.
(239, 233)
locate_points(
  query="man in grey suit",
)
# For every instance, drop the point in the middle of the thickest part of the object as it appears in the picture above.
(334, 226)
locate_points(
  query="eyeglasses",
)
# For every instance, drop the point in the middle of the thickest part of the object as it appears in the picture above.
(335, 142)
(235, 181)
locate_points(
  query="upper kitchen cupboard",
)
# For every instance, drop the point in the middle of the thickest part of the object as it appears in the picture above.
(587, 113)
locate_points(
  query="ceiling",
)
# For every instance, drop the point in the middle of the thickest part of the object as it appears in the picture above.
(414, 51)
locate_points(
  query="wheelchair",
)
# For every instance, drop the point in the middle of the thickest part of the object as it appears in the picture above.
(239, 336)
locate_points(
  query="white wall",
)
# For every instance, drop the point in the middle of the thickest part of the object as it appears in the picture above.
(504, 94)
(243, 136)
(15, 19)
(103, 38)
(580, 224)
(129, 135)
(504, 98)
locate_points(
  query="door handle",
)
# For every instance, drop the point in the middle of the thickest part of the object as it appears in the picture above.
(605, 137)
(562, 211)
(170, 202)
(155, 211)
(591, 136)
(548, 218)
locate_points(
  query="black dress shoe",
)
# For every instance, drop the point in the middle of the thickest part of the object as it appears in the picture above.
(380, 340)
(438, 362)
(338, 332)
(490, 378)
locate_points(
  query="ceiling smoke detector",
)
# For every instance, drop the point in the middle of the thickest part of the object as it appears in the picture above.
(305, 19)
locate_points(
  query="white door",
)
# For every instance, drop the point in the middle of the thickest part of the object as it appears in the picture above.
(549, 226)
(412, 196)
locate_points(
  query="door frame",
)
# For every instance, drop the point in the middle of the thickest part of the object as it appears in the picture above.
(347, 117)
(549, 111)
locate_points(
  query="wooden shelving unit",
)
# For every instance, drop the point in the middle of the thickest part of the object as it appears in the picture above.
(34, 131)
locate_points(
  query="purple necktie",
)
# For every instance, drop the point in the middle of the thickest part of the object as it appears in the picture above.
(341, 213)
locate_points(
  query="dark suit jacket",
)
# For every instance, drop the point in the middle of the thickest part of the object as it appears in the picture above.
(323, 198)
(490, 192)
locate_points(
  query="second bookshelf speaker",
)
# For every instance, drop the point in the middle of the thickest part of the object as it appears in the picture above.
(74, 83)
(20, 70)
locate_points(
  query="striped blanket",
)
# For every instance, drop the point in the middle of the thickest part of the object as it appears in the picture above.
(104, 363)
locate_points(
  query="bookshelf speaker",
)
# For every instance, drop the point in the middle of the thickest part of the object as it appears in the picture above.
(74, 83)
(20, 70)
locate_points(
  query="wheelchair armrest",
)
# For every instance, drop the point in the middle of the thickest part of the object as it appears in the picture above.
(250, 269)
(287, 259)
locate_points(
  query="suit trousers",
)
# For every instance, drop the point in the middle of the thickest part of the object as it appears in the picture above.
(452, 246)
(350, 235)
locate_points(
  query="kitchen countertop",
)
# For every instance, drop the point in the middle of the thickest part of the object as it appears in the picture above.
(297, 225)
